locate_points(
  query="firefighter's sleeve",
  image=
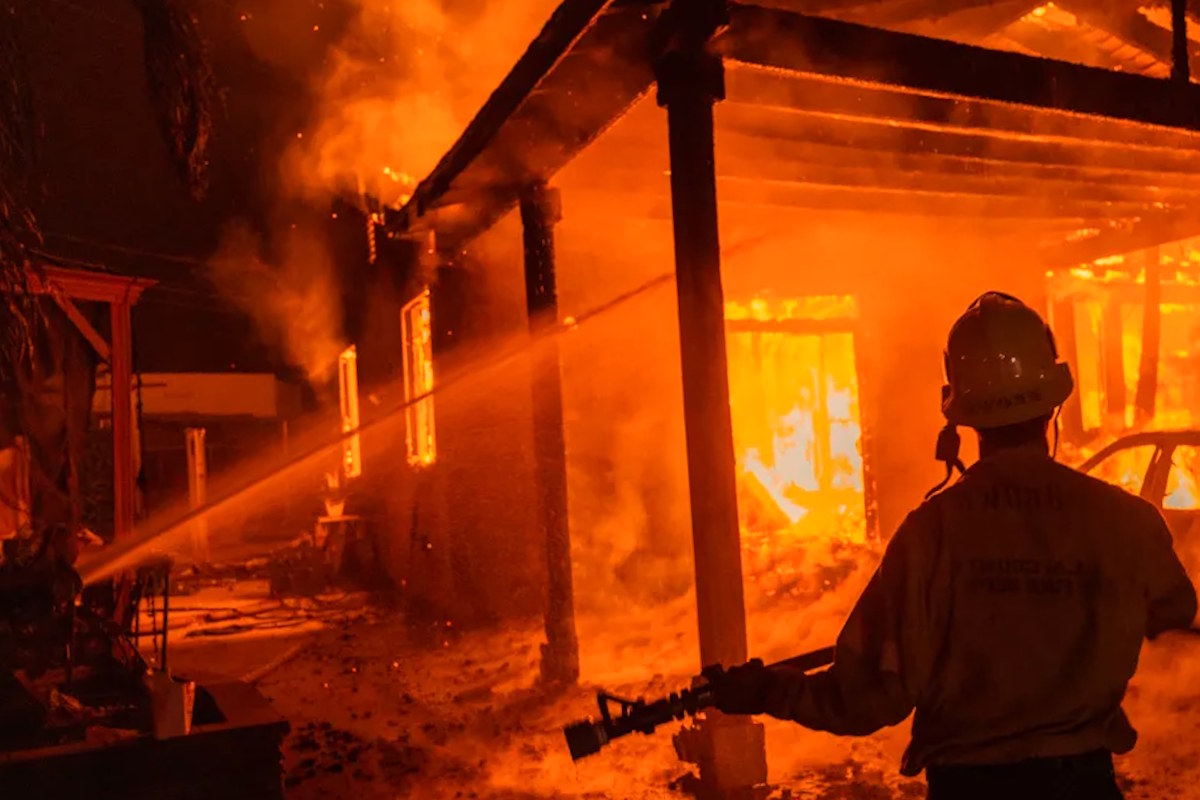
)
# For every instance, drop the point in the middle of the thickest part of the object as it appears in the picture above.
(1170, 595)
(885, 651)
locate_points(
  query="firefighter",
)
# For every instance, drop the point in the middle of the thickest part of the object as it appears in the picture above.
(1008, 610)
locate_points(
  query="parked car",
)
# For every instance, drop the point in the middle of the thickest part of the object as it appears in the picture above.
(1162, 467)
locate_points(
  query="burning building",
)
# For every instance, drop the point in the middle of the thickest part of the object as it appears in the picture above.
(826, 185)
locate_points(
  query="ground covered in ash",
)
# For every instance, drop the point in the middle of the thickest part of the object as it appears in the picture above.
(383, 709)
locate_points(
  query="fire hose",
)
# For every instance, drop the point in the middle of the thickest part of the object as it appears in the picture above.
(588, 737)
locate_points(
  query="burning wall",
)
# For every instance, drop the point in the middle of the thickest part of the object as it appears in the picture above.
(391, 86)
(1099, 311)
(455, 474)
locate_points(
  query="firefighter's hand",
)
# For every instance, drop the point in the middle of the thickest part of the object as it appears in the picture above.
(741, 690)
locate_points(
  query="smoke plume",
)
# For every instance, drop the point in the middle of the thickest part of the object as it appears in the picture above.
(401, 85)
(397, 87)
(294, 303)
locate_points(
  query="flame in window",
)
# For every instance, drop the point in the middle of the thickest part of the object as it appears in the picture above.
(418, 380)
(794, 400)
(348, 393)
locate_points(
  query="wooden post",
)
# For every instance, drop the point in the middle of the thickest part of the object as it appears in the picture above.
(690, 82)
(867, 420)
(23, 484)
(731, 750)
(1063, 319)
(122, 419)
(197, 462)
(1179, 42)
(540, 211)
(1147, 386)
(1116, 396)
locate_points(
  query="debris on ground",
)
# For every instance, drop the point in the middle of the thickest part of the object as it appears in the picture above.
(378, 712)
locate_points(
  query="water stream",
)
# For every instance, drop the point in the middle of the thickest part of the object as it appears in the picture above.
(157, 534)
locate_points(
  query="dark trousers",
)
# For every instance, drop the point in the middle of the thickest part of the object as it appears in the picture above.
(1089, 776)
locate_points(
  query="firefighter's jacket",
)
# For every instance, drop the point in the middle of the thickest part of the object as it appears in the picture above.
(1009, 612)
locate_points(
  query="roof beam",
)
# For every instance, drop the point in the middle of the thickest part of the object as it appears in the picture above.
(891, 135)
(77, 284)
(1133, 29)
(898, 198)
(973, 23)
(932, 179)
(1148, 231)
(1053, 44)
(897, 12)
(570, 22)
(844, 50)
(530, 127)
(820, 7)
(749, 84)
(93, 336)
(748, 152)
(783, 197)
(1025, 233)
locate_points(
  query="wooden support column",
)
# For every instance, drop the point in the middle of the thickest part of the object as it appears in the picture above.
(540, 211)
(1180, 68)
(866, 426)
(1147, 385)
(197, 463)
(730, 750)
(122, 419)
(1063, 315)
(1114, 362)
(690, 82)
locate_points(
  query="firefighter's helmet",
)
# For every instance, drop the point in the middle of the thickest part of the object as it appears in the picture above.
(1002, 366)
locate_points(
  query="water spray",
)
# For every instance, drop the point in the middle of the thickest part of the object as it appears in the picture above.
(125, 553)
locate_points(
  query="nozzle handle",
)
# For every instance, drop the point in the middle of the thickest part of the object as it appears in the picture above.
(588, 737)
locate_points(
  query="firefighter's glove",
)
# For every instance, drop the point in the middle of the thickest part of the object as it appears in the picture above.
(743, 689)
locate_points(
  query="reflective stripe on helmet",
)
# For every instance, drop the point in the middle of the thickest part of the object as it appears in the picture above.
(1002, 365)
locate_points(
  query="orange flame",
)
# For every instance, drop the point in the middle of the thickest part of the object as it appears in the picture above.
(794, 399)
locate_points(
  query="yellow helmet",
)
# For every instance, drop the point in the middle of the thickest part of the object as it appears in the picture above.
(1002, 366)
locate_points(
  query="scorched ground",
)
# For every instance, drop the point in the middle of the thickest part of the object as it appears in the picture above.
(381, 708)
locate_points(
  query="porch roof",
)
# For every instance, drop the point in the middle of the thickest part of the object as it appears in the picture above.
(826, 114)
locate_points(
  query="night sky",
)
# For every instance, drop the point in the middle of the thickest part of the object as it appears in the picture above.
(109, 193)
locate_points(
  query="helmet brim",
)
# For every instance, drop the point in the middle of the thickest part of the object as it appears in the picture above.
(983, 409)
